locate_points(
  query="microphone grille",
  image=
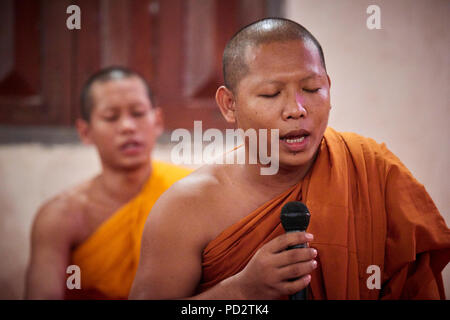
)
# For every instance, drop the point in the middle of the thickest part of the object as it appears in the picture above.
(295, 216)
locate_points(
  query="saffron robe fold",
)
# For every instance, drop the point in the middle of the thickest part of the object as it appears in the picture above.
(108, 259)
(366, 209)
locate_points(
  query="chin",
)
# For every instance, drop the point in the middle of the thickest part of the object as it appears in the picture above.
(291, 160)
(133, 164)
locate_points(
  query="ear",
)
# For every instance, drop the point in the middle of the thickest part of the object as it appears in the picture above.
(329, 86)
(227, 103)
(159, 121)
(83, 131)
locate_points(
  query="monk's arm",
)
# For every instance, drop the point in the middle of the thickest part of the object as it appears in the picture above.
(170, 261)
(167, 265)
(170, 265)
(50, 247)
(418, 240)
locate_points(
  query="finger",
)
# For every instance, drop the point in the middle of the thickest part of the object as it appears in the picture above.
(291, 256)
(292, 287)
(286, 240)
(296, 270)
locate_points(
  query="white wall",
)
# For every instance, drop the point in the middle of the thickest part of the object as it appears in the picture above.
(390, 84)
(29, 175)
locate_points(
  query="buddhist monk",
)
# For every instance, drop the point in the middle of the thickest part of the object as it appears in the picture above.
(97, 225)
(374, 232)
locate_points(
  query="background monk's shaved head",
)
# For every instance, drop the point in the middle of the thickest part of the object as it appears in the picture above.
(260, 32)
(104, 75)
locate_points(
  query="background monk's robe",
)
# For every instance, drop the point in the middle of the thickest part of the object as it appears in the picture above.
(108, 259)
(366, 209)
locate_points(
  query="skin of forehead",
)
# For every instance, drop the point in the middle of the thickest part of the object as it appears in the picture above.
(129, 84)
(251, 54)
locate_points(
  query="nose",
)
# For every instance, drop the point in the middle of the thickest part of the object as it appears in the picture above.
(295, 108)
(127, 124)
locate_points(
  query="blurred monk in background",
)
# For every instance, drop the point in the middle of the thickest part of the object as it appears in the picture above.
(98, 224)
(217, 233)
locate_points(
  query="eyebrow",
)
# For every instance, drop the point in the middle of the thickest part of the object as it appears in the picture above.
(313, 75)
(110, 107)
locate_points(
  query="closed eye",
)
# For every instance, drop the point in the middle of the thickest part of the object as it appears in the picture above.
(139, 113)
(311, 90)
(110, 118)
(270, 95)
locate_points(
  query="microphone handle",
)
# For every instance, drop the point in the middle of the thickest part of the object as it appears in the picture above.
(302, 294)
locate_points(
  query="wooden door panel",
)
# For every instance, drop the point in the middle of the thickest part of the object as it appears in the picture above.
(176, 45)
(34, 86)
(192, 36)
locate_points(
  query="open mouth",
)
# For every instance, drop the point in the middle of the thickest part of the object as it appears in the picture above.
(131, 147)
(296, 140)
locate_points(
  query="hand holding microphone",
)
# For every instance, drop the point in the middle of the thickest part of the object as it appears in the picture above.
(295, 218)
(273, 271)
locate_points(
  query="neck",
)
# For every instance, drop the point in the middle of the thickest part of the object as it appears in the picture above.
(285, 178)
(123, 185)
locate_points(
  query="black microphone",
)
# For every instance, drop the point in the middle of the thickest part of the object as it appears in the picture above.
(295, 217)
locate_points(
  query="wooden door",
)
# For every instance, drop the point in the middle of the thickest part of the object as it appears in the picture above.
(176, 45)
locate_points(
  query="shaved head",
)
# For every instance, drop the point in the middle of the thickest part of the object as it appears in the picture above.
(260, 32)
(112, 73)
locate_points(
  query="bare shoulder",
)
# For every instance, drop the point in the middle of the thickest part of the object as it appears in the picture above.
(56, 229)
(199, 188)
(61, 216)
(187, 204)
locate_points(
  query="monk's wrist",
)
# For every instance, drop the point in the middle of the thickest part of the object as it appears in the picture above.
(235, 286)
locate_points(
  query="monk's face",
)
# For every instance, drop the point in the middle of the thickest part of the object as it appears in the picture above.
(123, 126)
(286, 88)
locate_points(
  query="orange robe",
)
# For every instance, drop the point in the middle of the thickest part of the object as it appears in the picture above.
(366, 209)
(108, 259)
